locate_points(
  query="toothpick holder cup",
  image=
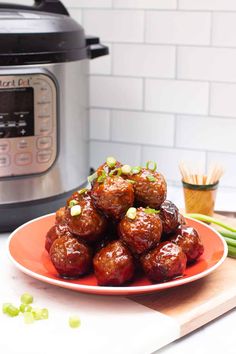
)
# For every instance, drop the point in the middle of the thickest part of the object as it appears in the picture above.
(200, 198)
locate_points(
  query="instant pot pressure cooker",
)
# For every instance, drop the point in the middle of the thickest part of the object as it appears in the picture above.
(44, 58)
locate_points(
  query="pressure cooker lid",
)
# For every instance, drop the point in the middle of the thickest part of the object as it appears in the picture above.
(43, 33)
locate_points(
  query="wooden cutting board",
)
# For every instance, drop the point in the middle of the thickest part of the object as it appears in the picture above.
(195, 304)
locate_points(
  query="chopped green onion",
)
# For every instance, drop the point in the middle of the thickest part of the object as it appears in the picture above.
(126, 169)
(151, 211)
(83, 190)
(92, 177)
(135, 170)
(116, 171)
(73, 202)
(44, 314)
(5, 307)
(131, 213)
(151, 178)
(26, 298)
(102, 177)
(11, 310)
(75, 210)
(28, 317)
(74, 321)
(36, 312)
(25, 308)
(153, 165)
(111, 162)
(131, 181)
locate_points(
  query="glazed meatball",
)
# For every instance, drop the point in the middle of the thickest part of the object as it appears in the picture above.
(88, 224)
(60, 216)
(113, 265)
(141, 232)
(188, 239)
(165, 262)
(70, 257)
(149, 188)
(170, 217)
(77, 196)
(55, 232)
(113, 196)
(110, 235)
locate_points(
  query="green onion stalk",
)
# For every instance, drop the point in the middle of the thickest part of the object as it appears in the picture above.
(228, 232)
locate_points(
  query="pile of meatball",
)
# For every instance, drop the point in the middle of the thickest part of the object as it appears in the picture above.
(121, 227)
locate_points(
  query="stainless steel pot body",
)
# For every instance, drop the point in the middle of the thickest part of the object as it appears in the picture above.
(31, 184)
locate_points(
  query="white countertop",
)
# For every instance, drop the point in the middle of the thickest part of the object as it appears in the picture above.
(110, 325)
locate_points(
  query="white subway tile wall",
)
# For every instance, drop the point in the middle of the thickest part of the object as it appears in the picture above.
(176, 27)
(178, 96)
(167, 91)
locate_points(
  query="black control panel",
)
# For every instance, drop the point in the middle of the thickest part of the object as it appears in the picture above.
(16, 112)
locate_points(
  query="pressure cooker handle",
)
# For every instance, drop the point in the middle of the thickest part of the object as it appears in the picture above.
(95, 48)
(54, 6)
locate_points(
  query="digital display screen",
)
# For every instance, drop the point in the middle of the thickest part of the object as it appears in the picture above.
(16, 112)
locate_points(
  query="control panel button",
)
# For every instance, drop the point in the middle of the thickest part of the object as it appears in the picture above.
(45, 127)
(24, 158)
(4, 146)
(44, 110)
(44, 142)
(22, 144)
(4, 160)
(44, 156)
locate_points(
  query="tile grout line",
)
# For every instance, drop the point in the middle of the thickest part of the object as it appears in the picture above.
(211, 29)
(203, 81)
(163, 112)
(176, 62)
(175, 130)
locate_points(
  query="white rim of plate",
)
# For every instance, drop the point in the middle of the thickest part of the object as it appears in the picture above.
(102, 290)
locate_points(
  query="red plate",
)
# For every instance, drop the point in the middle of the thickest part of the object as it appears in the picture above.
(26, 250)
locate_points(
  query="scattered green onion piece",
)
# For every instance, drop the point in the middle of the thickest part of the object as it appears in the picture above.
(74, 321)
(151, 178)
(131, 181)
(73, 202)
(25, 308)
(111, 162)
(151, 211)
(153, 165)
(83, 190)
(28, 317)
(92, 177)
(39, 314)
(116, 171)
(131, 213)
(26, 298)
(12, 310)
(102, 177)
(126, 169)
(5, 307)
(135, 170)
(44, 314)
(75, 210)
